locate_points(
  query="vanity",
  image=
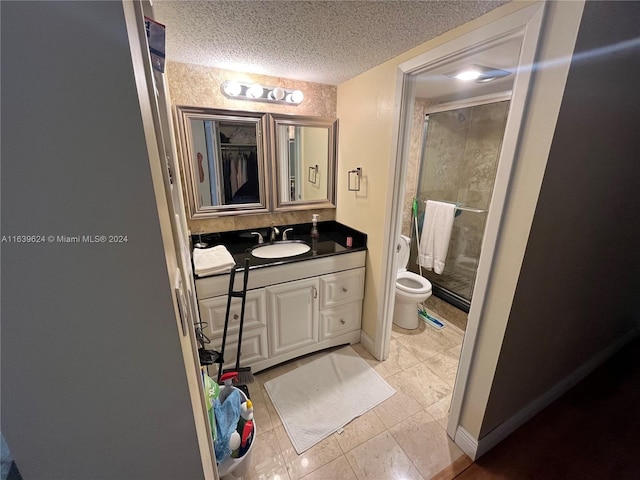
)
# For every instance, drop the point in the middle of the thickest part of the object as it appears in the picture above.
(294, 305)
(303, 294)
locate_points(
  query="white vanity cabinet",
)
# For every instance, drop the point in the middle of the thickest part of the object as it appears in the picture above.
(291, 309)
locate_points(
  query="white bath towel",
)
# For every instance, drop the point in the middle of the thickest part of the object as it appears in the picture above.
(436, 233)
(209, 261)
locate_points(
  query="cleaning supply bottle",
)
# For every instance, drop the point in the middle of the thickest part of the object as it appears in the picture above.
(246, 410)
(227, 379)
(314, 226)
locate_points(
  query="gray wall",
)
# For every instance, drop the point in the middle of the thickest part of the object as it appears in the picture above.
(93, 382)
(577, 293)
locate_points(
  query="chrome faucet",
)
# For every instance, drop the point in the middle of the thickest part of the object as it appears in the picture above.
(284, 234)
(260, 239)
(274, 233)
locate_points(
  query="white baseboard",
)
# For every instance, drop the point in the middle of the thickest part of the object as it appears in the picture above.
(505, 429)
(367, 342)
(466, 442)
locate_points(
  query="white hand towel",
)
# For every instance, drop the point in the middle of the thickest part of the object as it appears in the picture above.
(208, 261)
(436, 233)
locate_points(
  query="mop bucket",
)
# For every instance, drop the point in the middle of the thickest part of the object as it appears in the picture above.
(235, 468)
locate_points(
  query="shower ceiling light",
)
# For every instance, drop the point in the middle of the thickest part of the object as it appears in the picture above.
(259, 93)
(477, 73)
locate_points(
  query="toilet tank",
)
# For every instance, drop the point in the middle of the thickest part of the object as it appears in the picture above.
(404, 248)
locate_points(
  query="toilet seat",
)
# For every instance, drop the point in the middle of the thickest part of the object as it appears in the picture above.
(413, 283)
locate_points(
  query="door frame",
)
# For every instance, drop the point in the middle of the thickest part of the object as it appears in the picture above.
(161, 147)
(526, 22)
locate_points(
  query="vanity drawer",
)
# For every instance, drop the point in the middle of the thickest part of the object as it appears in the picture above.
(340, 288)
(213, 310)
(339, 320)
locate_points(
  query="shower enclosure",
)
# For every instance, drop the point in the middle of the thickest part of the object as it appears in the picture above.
(460, 151)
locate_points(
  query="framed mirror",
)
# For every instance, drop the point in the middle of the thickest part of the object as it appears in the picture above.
(223, 156)
(304, 151)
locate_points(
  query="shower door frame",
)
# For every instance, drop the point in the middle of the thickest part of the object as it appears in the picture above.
(526, 22)
(450, 296)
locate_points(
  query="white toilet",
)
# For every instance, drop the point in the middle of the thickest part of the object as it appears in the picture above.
(411, 289)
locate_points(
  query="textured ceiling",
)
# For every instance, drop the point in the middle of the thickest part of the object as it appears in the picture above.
(316, 41)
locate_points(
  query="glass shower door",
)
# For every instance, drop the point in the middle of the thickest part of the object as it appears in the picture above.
(460, 153)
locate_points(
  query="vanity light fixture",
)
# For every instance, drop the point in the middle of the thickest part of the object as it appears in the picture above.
(477, 73)
(259, 93)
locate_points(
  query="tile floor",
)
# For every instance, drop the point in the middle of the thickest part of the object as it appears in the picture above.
(402, 438)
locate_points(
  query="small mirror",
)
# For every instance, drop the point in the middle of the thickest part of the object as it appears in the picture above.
(223, 160)
(304, 152)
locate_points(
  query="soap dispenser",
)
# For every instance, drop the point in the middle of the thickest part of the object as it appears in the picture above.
(314, 226)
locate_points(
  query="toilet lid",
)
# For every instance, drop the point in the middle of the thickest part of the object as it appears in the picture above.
(411, 283)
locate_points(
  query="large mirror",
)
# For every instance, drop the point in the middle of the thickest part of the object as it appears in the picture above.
(223, 154)
(304, 153)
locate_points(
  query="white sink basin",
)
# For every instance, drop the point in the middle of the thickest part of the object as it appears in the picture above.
(280, 250)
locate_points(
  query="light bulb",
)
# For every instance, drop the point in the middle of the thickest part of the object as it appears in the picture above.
(471, 74)
(255, 91)
(232, 88)
(277, 94)
(297, 96)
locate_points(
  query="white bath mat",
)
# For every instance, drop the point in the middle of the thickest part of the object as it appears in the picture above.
(322, 396)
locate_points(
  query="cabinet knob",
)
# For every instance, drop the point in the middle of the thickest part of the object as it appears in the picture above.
(345, 289)
(235, 316)
(342, 321)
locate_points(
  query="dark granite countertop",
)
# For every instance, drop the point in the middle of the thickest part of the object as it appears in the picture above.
(332, 241)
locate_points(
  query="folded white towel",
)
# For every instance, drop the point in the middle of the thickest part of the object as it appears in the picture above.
(208, 261)
(436, 233)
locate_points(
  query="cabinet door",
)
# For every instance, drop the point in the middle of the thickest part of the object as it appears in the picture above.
(293, 315)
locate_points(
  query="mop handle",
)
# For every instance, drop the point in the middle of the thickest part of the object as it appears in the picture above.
(415, 217)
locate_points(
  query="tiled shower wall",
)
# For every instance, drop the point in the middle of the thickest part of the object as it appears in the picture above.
(413, 163)
(459, 165)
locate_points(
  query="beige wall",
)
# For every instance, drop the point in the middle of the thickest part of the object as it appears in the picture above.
(315, 151)
(199, 86)
(367, 109)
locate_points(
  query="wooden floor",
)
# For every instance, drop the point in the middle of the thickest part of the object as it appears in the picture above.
(591, 433)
